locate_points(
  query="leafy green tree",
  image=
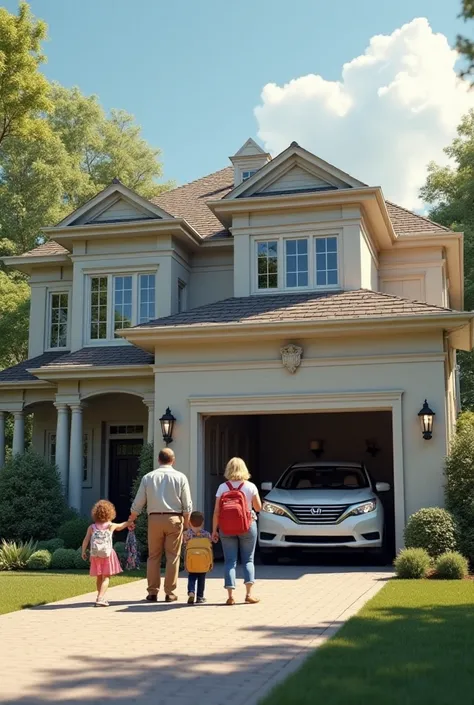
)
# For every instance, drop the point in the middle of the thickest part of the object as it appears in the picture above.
(450, 191)
(464, 45)
(14, 310)
(24, 91)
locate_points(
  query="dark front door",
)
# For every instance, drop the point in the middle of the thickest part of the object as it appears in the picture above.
(123, 469)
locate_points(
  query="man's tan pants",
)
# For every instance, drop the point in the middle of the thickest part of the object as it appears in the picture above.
(165, 532)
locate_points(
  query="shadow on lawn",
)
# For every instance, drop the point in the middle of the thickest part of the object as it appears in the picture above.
(395, 656)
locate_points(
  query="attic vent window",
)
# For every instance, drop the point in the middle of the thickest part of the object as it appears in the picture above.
(247, 174)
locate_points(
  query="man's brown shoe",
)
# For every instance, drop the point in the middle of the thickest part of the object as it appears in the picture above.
(152, 598)
(171, 597)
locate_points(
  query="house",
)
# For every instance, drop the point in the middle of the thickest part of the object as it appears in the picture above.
(280, 308)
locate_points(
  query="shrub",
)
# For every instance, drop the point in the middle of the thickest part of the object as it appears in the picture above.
(412, 564)
(79, 563)
(15, 555)
(147, 464)
(72, 532)
(63, 559)
(31, 498)
(465, 538)
(459, 470)
(39, 560)
(451, 566)
(51, 545)
(432, 529)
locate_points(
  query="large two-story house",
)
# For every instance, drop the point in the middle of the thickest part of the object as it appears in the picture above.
(279, 308)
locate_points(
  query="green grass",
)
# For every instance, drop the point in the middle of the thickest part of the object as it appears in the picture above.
(19, 590)
(412, 644)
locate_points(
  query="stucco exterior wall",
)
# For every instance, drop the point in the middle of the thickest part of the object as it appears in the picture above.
(211, 277)
(415, 273)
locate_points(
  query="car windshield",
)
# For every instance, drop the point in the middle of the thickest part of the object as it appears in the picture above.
(332, 477)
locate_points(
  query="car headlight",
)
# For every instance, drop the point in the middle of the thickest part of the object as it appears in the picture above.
(277, 509)
(364, 508)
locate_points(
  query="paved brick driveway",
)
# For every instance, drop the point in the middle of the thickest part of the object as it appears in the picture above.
(163, 654)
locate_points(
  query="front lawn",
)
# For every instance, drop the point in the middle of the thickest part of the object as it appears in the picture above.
(413, 643)
(26, 589)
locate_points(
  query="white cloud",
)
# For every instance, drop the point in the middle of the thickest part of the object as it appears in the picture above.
(393, 111)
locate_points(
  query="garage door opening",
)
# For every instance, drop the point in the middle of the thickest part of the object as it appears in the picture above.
(269, 443)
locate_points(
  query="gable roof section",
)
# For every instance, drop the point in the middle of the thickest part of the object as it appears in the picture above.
(190, 202)
(294, 308)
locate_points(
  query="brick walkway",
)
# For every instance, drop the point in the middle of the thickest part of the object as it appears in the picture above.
(162, 654)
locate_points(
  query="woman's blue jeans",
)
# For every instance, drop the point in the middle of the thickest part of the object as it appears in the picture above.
(231, 545)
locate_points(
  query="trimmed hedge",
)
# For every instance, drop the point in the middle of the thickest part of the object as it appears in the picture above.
(51, 545)
(412, 564)
(40, 560)
(72, 532)
(452, 566)
(433, 529)
(64, 559)
(78, 562)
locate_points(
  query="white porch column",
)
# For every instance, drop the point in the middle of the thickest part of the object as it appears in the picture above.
(75, 458)
(151, 421)
(2, 439)
(62, 443)
(18, 432)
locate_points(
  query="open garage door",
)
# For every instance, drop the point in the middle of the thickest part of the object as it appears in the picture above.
(270, 443)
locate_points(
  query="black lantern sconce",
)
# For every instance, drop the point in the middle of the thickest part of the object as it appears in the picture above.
(371, 447)
(317, 447)
(426, 416)
(167, 425)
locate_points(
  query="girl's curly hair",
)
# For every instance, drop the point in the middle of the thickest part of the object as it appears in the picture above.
(103, 511)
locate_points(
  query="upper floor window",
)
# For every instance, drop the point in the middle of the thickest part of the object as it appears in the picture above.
(58, 319)
(248, 173)
(119, 301)
(297, 263)
(181, 296)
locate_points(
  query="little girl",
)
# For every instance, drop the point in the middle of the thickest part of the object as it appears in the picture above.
(104, 560)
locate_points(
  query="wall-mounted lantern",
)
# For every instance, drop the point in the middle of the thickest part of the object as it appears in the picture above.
(426, 416)
(371, 447)
(317, 447)
(167, 425)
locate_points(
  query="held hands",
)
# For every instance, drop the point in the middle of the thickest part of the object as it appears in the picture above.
(215, 536)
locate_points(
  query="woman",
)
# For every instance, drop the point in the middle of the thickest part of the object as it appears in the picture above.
(237, 474)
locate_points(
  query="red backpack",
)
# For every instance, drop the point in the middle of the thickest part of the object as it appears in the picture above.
(234, 514)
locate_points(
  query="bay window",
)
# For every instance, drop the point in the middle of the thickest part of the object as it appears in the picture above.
(295, 263)
(119, 301)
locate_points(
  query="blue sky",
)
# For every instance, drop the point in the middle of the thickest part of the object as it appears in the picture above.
(192, 72)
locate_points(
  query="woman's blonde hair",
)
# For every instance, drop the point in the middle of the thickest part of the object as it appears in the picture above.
(236, 469)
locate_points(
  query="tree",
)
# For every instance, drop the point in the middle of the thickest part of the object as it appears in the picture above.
(450, 190)
(464, 45)
(24, 91)
(14, 310)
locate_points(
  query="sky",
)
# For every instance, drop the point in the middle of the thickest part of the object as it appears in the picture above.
(369, 86)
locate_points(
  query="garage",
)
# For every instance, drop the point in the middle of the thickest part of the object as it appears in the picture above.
(271, 442)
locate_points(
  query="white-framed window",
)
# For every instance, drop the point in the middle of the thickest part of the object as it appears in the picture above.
(86, 455)
(248, 173)
(288, 263)
(182, 296)
(118, 301)
(58, 319)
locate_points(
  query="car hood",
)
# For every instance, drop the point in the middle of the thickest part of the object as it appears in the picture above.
(319, 496)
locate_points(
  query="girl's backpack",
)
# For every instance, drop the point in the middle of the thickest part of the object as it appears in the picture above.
(234, 515)
(101, 542)
(198, 556)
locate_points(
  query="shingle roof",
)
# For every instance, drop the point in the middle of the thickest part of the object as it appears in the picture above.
(19, 373)
(189, 202)
(104, 356)
(46, 249)
(404, 221)
(289, 308)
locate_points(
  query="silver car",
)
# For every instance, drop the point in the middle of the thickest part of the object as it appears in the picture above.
(321, 505)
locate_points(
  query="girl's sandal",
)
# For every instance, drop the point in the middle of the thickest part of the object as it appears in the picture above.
(252, 600)
(101, 603)
(230, 601)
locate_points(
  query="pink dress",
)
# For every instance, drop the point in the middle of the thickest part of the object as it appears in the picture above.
(105, 566)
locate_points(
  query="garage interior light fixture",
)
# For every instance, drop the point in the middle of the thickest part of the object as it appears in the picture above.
(317, 447)
(426, 416)
(167, 425)
(371, 447)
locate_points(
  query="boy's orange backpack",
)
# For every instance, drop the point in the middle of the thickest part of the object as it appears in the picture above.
(198, 556)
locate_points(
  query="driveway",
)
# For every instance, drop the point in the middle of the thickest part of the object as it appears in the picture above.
(162, 654)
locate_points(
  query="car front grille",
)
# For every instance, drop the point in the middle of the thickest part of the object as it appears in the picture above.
(317, 514)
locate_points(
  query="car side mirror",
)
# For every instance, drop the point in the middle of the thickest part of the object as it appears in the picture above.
(266, 486)
(382, 487)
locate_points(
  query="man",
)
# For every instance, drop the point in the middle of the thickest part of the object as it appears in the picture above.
(167, 496)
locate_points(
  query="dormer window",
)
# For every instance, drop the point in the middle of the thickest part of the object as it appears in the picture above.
(249, 173)
(296, 263)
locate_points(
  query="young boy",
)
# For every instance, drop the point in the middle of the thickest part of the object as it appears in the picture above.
(198, 557)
